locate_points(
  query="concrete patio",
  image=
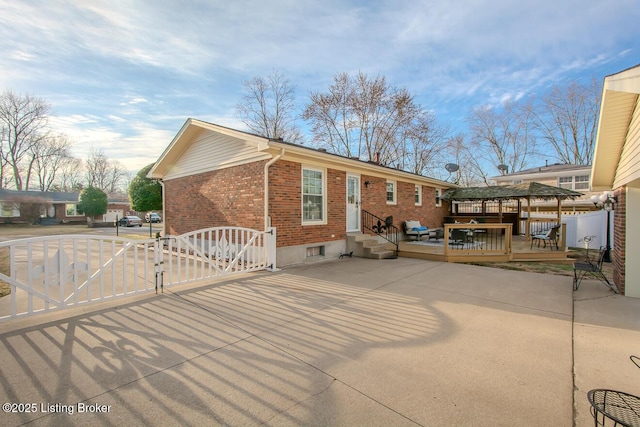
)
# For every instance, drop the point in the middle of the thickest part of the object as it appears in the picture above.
(348, 342)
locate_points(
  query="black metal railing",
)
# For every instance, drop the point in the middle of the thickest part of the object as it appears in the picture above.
(478, 239)
(382, 227)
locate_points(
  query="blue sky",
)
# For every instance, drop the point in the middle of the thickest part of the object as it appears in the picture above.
(123, 76)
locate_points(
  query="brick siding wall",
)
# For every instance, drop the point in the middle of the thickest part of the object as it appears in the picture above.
(618, 254)
(285, 206)
(226, 197)
(233, 197)
(374, 200)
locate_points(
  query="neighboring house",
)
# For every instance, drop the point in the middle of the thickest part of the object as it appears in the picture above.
(49, 207)
(616, 166)
(216, 176)
(569, 177)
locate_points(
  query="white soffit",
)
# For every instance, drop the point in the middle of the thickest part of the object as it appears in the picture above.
(619, 99)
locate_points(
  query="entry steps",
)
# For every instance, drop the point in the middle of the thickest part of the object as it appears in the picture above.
(368, 246)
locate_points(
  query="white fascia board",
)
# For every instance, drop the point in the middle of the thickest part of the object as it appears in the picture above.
(327, 160)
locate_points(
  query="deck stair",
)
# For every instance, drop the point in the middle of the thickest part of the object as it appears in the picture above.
(368, 246)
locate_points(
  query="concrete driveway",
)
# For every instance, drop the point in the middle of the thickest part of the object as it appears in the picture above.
(348, 342)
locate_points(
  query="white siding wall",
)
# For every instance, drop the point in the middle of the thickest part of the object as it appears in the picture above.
(212, 151)
(629, 165)
(632, 266)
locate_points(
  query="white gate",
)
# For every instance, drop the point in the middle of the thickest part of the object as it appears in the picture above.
(56, 272)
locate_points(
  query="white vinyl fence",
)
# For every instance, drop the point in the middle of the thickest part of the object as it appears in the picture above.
(592, 224)
(56, 272)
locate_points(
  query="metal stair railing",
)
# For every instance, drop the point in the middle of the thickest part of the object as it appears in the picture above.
(381, 227)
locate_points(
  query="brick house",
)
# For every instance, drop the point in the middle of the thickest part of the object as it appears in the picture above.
(217, 176)
(616, 165)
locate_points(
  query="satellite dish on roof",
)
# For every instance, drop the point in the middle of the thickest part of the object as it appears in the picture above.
(451, 167)
(503, 168)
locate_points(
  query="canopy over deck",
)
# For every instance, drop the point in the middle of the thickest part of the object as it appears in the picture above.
(526, 190)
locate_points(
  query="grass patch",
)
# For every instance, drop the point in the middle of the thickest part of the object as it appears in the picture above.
(550, 267)
(533, 267)
(22, 230)
(5, 289)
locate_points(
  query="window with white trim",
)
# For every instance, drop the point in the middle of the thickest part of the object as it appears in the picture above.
(565, 182)
(391, 193)
(438, 197)
(71, 209)
(418, 195)
(9, 209)
(578, 182)
(313, 196)
(581, 182)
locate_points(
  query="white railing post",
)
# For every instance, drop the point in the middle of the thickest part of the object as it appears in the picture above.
(271, 248)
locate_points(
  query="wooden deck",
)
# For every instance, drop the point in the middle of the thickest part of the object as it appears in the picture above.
(510, 248)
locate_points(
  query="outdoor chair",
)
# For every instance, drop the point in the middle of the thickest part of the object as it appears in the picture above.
(458, 237)
(436, 233)
(592, 268)
(550, 236)
(414, 228)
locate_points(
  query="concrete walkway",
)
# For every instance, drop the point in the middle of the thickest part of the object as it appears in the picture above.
(350, 342)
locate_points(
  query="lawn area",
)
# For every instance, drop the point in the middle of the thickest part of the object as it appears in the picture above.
(22, 231)
(550, 267)
(4, 268)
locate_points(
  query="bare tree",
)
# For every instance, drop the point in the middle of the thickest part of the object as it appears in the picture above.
(268, 108)
(503, 137)
(47, 158)
(471, 170)
(369, 119)
(3, 159)
(23, 120)
(420, 144)
(568, 121)
(104, 174)
(71, 175)
(97, 166)
(331, 116)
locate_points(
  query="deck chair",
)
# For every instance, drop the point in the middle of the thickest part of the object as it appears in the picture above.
(550, 236)
(592, 268)
(457, 237)
(415, 229)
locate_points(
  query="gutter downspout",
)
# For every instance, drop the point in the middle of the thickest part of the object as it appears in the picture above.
(164, 213)
(266, 187)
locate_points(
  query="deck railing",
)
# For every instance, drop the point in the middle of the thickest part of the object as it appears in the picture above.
(537, 225)
(466, 240)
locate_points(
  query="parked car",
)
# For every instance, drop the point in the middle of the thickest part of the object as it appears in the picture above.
(130, 221)
(152, 217)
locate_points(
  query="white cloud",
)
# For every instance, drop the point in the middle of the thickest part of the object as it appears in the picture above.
(137, 100)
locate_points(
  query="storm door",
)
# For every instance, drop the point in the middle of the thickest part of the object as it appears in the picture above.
(353, 202)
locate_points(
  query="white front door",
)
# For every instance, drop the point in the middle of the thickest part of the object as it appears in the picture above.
(353, 202)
